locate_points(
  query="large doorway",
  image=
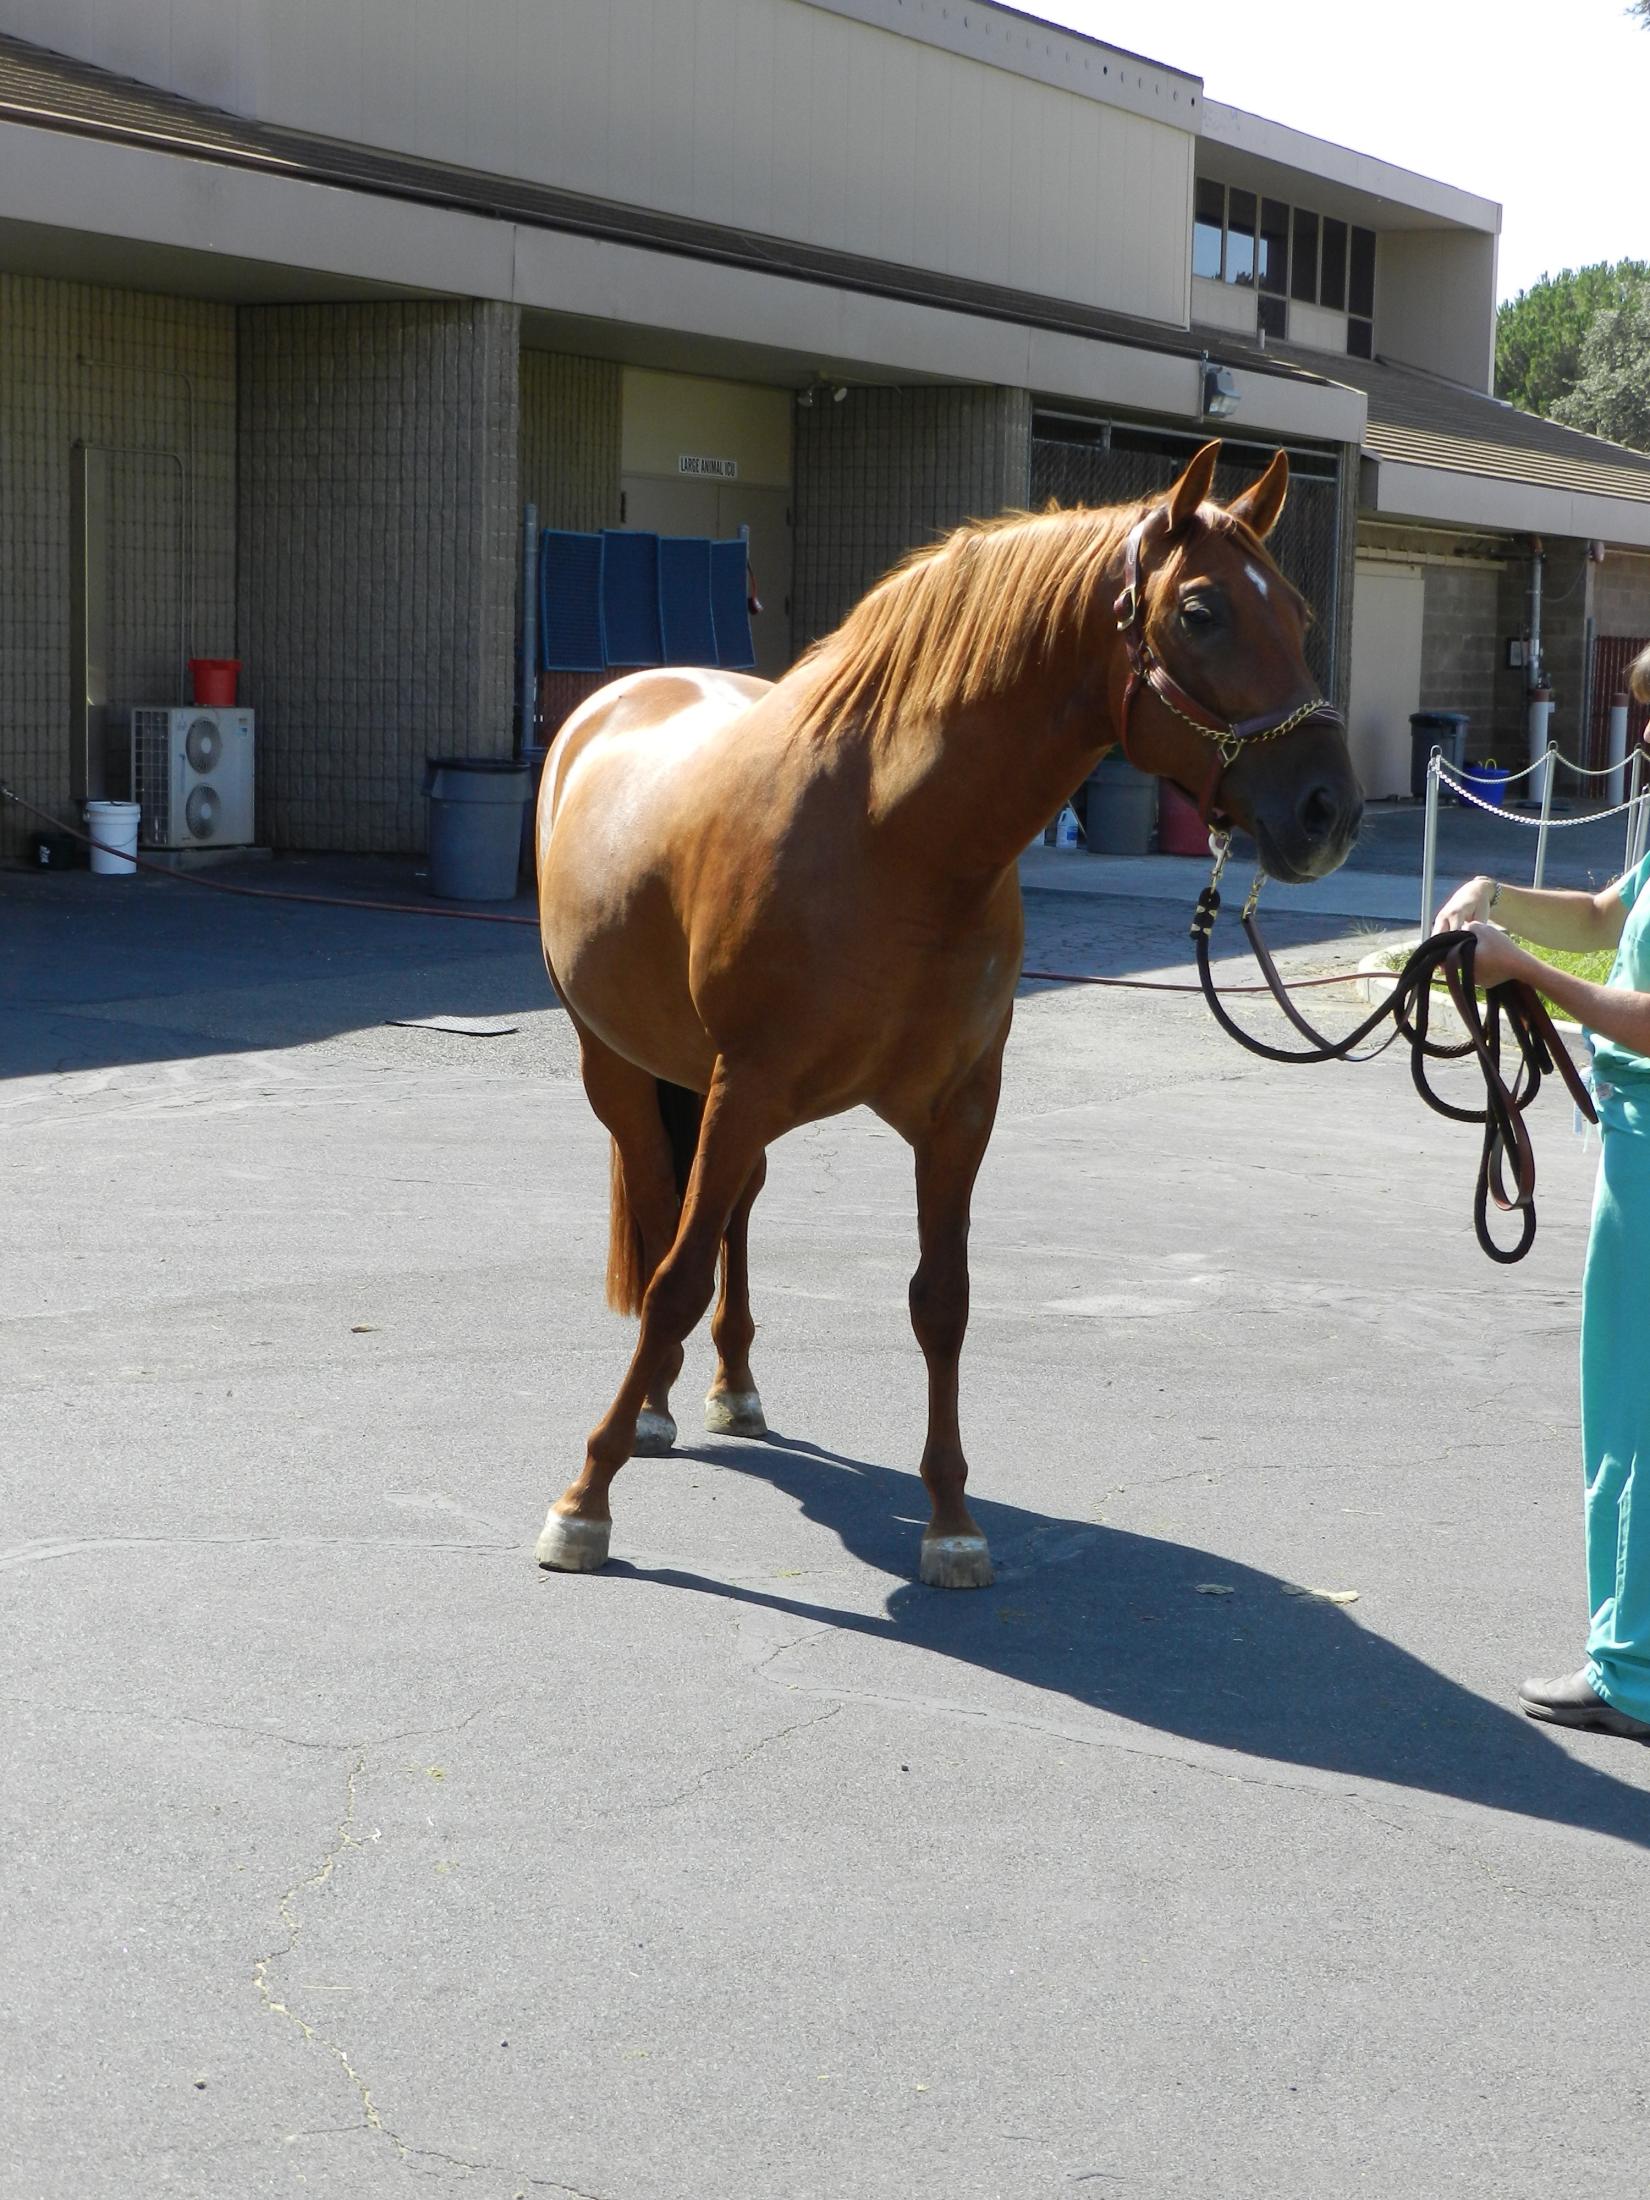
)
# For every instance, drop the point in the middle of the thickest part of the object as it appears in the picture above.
(1388, 611)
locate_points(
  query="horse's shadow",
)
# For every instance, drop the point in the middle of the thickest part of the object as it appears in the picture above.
(1114, 1620)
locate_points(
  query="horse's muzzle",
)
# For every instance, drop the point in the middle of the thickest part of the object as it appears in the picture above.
(1315, 837)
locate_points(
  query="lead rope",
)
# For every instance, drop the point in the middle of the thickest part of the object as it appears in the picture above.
(1449, 955)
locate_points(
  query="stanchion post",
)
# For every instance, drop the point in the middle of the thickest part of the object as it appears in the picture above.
(1635, 782)
(1429, 843)
(1546, 815)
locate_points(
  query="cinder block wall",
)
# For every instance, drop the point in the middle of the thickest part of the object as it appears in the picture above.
(1565, 599)
(572, 418)
(1459, 649)
(377, 567)
(888, 470)
(153, 379)
(1621, 594)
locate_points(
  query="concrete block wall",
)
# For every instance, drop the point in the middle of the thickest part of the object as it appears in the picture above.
(570, 442)
(377, 568)
(1460, 648)
(888, 470)
(1621, 594)
(1565, 609)
(153, 380)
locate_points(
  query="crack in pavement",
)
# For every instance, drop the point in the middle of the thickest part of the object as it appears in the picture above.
(344, 1838)
(45, 1547)
(729, 1764)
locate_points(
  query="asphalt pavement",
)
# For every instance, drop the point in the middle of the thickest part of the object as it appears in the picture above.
(349, 1855)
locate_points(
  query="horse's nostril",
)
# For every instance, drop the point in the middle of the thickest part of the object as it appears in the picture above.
(1318, 811)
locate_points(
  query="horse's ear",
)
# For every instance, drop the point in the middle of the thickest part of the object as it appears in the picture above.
(1192, 489)
(1262, 501)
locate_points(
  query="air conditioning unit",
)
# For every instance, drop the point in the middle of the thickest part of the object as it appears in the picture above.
(192, 776)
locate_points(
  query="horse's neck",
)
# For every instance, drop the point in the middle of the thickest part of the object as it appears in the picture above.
(975, 789)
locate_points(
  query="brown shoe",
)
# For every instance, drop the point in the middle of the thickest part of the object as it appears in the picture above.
(1574, 1701)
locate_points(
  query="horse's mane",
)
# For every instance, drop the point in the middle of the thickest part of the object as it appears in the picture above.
(966, 618)
(962, 619)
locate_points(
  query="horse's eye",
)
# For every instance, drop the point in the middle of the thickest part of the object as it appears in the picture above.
(1196, 612)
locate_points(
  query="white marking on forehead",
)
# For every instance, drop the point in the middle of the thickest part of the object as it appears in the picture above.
(1258, 577)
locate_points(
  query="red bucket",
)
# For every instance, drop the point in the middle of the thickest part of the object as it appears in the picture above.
(1180, 831)
(214, 680)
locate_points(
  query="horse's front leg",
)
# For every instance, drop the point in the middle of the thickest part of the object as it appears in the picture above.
(736, 1128)
(949, 1153)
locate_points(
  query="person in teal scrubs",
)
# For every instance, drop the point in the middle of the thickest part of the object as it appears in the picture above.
(1610, 1694)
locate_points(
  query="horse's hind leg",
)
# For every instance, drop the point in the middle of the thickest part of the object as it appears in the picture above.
(733, 1407)
(735, 1130)
(949, 1152)
(645, 1197)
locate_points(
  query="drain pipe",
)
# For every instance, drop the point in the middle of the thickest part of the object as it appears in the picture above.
(1540, 704)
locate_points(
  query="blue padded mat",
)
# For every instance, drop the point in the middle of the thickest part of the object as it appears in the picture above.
(684, 594)
(730, 605)
(631, 617)
(570, 602)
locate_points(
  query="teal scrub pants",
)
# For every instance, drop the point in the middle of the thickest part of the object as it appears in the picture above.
(1615, 1410)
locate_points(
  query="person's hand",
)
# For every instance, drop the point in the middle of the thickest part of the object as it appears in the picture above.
(1498, 956)
(1467, 905)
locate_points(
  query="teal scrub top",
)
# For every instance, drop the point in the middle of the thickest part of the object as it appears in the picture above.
(1612, 1064)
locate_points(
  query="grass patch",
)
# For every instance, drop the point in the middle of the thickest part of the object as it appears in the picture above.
(1592, 963)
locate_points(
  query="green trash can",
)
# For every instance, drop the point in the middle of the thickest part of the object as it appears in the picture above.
(475, 825)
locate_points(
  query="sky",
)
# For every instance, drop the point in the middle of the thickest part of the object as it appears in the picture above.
(1545, 108)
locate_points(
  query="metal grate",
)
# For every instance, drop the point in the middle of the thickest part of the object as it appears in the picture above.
(152, 775)
(1304, 542)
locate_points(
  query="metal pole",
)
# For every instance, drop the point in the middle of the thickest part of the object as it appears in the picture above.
(1617, 748)
(1429, 844)
(1635, 816)
(1546, 815)
(529, 626)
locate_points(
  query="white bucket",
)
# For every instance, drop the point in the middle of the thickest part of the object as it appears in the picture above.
(115, 824)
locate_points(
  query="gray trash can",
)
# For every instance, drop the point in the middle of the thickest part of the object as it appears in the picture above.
(1440, 729)
(475, 825)
(1119, 808)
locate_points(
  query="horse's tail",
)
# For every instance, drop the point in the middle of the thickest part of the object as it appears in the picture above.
(627, 1273)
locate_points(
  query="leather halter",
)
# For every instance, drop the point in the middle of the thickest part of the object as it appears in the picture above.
(1146, 669)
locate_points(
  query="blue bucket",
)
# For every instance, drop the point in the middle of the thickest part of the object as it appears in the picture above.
(1487, 781)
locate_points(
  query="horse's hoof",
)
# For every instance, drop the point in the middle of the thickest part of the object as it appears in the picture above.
(574, 1546)
(734, 1413)
(655, 1434)
(955, 1562)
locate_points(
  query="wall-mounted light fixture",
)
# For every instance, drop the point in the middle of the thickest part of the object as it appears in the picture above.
(819, 388)
(1221, 394)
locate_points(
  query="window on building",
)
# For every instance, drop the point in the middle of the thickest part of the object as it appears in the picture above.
(1240, 236)
(1272, 257)
(1208, 229)
(1303, 264)
(1332, 279)
(1360, 337)
(1274, 316)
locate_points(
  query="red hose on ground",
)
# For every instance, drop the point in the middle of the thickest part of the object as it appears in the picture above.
(488, 916)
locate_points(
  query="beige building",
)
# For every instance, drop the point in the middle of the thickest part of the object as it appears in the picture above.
(300, 308)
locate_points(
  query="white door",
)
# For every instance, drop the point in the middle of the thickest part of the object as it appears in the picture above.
(1388, 603)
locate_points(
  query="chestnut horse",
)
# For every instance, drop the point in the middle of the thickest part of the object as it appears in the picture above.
(765, 903)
